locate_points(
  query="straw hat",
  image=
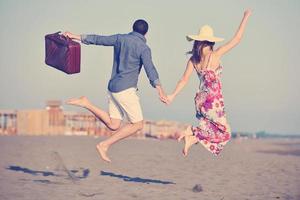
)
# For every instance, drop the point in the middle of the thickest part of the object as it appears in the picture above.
(205, 33)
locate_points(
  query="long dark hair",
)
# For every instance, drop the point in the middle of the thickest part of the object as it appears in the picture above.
(197, 50)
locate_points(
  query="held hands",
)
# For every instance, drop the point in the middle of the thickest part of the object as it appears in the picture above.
(163, 98)
(171, 98)
(167, 99)
(162, 95)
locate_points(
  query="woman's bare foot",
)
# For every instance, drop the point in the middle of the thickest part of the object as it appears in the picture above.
(189, 140)
(102, 149)
(186, 132)
(81, 101)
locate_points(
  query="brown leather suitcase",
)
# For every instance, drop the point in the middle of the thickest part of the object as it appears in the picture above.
(62, 53)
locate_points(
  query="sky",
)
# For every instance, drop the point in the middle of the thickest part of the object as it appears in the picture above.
(260, 76)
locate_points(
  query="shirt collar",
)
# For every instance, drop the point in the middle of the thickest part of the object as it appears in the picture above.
(138, 35)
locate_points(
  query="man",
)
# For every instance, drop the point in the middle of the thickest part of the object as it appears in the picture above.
(130, 54)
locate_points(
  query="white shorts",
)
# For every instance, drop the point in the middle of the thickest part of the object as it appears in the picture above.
(125, 103)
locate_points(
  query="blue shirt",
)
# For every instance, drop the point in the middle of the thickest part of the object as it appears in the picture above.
(130, 54)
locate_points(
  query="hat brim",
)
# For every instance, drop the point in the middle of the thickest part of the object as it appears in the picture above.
(199, 38)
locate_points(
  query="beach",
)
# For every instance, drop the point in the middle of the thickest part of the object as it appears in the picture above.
(69, 167)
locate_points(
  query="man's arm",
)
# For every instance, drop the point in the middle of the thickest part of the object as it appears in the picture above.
(94, 39)
(152, 74)
(150, 68)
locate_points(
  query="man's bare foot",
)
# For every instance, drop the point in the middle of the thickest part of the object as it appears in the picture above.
(81, 101)
(186, 132)
(189, 140)
(102, 149)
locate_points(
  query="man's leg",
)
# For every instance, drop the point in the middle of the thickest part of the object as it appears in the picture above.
(123, 132)
(103, 116)
(128, 102)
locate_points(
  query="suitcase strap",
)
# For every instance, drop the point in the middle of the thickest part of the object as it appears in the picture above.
(61, 38)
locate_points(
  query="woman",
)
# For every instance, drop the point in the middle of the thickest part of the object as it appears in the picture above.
(213, 131)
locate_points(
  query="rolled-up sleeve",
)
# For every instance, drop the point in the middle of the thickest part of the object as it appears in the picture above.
(99, 39)
(150, 68)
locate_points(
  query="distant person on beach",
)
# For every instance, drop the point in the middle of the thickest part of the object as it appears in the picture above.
(130, 53)
(213, 131)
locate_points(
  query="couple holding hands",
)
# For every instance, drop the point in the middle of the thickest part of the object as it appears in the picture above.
(130, 54)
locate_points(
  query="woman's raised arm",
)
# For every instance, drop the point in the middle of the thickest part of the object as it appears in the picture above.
(237, 37)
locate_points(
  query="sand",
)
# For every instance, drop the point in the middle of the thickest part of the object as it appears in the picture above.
(68, 167)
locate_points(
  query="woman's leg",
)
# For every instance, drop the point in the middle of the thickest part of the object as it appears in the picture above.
(189, 140)
(186, 132)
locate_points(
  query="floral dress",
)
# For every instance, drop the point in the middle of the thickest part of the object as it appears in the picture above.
(213, 131)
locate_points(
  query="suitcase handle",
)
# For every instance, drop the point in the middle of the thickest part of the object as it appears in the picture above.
(61, 38)
(67, 39)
